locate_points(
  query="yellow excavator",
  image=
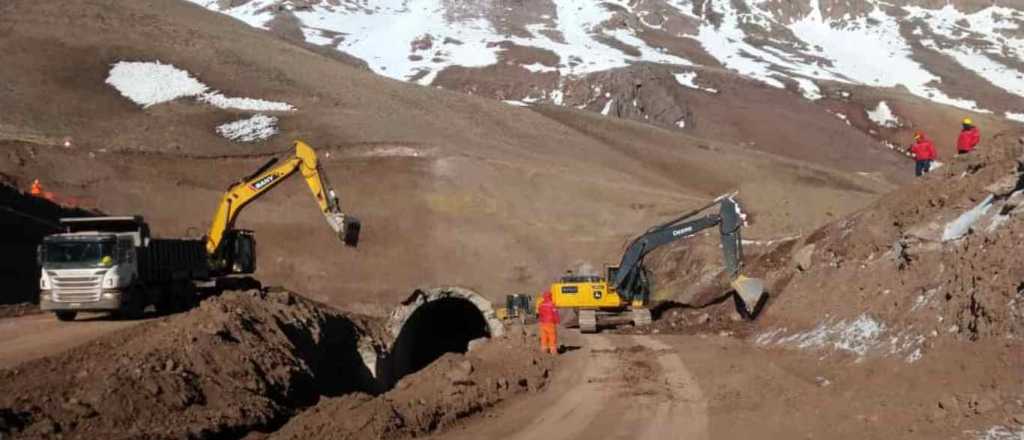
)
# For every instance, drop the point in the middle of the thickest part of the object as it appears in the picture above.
(603, 301)
(233, 250)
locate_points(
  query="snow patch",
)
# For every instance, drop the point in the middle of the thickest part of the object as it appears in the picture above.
(689, 80)
(385, 33)
(248, 104)
(149, 83)
(809, 89)
(842, 117)
(855, 336)
(860, 336)
(998, 433)
(884, 116)
(394, 152)
(1019, 117)
(538, 67)
(607, 107)
(978, 40)
(962, 225)
(254, 129)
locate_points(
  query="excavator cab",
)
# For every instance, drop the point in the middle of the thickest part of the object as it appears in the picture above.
(241, 248)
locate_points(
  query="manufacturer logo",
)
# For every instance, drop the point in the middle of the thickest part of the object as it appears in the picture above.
(263, 182)
(682, 231)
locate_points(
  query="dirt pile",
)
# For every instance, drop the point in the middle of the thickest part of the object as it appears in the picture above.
(936, 260)
(450, 389)
(239, 362)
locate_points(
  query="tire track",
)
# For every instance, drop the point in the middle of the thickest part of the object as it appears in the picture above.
(685, 414)
(575, 410)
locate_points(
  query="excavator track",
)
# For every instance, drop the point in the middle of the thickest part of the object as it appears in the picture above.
(588, 321)
(641, 317)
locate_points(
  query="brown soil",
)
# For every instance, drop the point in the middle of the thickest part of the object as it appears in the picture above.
(239, 362)
(439, 179)
(452, 388)
(20, 309)
(458, 190)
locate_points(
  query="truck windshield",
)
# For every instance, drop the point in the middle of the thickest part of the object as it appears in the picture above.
(79, 253)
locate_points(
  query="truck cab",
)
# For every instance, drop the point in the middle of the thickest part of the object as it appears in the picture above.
(90, 265)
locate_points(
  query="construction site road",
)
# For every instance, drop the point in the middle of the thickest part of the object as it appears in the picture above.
(33, 336)
(608, 386)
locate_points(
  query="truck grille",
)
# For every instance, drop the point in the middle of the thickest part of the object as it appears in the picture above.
(77, 288)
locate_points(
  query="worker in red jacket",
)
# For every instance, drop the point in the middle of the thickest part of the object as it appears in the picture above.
(548, 317)
(969, 137)
(924, 153)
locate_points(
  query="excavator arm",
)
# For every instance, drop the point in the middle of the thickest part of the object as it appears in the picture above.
(630, 278)
(266, 178)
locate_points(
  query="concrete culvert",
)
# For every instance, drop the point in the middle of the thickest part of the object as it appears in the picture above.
(432, 322)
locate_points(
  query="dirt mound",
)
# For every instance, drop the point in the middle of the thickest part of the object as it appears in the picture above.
(934, 260)
(452, 388)
(239, 362)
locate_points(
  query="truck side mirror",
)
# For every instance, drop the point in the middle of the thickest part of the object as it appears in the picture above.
(40, 257)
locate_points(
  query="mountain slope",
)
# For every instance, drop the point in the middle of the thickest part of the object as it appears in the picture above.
(452, 189)
(698, 62)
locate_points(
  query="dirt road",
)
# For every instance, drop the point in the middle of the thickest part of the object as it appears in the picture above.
(609, 386)
(34, 336)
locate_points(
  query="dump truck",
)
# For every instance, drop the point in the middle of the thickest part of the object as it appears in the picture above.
(113, 263)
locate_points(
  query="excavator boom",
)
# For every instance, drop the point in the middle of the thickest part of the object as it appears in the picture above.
(630, 277)
(267, 177)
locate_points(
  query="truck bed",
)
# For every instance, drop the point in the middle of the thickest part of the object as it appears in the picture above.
(170, 259)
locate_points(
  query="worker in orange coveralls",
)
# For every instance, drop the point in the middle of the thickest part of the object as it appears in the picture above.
(548, 317)
(37, 188)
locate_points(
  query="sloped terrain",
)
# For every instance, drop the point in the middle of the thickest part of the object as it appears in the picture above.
(712, 68)
(896, 319)
(442, 181)
(908, 309)
(942, 259)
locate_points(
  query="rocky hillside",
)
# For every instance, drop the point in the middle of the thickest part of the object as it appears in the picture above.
(678, 63)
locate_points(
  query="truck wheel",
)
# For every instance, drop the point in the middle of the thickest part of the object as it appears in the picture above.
(66, 316)
(134, 309)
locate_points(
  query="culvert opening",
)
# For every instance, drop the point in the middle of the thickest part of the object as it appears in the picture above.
(444, 325)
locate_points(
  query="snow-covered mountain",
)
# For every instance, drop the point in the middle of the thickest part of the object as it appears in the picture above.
(585, 53)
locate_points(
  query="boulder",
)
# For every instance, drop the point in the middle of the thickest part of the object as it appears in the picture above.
(804, 257)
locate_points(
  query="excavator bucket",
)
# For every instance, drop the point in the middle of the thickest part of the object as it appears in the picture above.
(347, 227)
(350, 231)
(750, 292)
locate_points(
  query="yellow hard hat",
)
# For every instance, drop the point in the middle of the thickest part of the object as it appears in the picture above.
(968, 121)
